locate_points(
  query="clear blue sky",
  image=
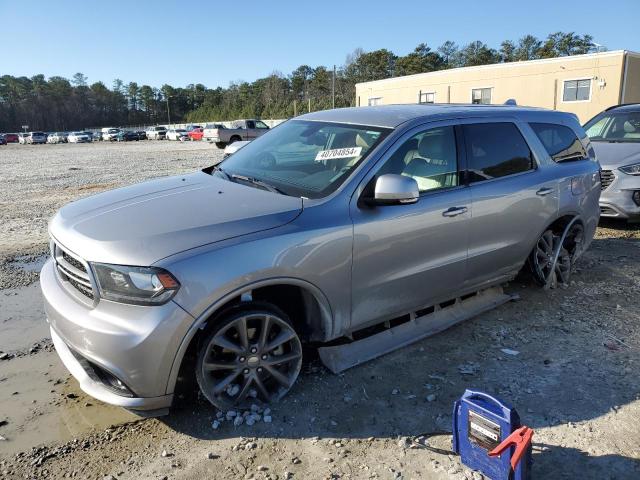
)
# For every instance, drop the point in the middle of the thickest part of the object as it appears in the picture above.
(213, 43)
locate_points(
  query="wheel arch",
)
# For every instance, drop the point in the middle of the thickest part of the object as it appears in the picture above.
(292, 295)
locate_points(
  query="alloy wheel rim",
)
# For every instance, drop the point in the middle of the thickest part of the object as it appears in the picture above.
(256, 356)
(543, 257)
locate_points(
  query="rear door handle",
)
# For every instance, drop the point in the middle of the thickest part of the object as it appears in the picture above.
(453, 211)
(544, 191)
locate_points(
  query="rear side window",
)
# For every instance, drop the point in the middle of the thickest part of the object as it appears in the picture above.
(561, 142)
(496, 150)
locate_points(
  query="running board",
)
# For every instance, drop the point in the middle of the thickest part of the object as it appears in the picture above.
(342, 357)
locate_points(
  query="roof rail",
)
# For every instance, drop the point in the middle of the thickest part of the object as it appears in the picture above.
(622, 105)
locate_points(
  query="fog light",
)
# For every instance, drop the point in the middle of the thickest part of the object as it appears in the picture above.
(636, 197)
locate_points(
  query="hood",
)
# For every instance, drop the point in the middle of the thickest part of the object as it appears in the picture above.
(141, 224)
(614, 155)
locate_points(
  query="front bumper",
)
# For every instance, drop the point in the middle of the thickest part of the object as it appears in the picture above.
(616, 200)
(137, 345)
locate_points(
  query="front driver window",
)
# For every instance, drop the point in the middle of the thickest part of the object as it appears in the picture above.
(429, 157)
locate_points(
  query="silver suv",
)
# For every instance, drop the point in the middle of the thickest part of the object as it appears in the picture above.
(331, 223)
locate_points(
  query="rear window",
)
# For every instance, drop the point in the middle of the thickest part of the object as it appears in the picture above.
(496, 150)
(561, 142)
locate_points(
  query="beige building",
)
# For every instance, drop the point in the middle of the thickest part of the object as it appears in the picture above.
(581, 84)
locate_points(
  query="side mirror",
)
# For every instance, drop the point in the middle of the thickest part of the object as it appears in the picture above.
(392, 189)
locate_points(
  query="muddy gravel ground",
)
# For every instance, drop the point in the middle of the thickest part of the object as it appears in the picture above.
(570, 367)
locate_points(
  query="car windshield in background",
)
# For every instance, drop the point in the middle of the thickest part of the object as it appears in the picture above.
(614, 127)
(303, 158)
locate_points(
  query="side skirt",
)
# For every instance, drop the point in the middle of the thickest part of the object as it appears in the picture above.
(342, 357)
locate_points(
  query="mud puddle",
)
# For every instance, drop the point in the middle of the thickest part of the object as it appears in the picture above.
(42, 404)
(29, 263)
(22, 318)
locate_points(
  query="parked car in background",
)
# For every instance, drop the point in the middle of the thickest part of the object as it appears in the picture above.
(110, 134)
(22, 138)
(196, 134)
(240, 130)
(333, 223)
(615, 136)
(156, 133)
(210, 132)
(57, 137)
(35, 138)
(3, 141)
(78, 137)
(127, 136)
(234, 147)
(96, 137)
(177, 134)
(142, 135)
(11, 137)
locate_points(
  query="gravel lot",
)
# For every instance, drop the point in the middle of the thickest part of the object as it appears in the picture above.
(574, 378)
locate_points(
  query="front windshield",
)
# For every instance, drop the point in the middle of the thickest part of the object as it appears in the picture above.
(615, 127)
(304, 158)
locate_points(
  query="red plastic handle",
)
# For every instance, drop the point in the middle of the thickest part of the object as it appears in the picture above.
(521, 439)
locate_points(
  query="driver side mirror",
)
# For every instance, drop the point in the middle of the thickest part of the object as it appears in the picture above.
(393, 189)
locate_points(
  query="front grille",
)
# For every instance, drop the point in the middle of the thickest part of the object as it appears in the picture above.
(73, 270)
(606, 178)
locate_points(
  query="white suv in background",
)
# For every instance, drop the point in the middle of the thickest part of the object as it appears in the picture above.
(156, 133)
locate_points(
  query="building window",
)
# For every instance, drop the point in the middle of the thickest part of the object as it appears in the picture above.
(577, 90)
(375, 101)
(481, 96)
(427, 97)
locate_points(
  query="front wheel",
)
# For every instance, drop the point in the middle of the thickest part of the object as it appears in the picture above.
(221, 144)
(252, 352)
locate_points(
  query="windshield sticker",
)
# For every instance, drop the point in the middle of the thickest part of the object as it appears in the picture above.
(338, 153)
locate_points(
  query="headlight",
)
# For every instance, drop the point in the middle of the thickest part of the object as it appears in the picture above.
(135, 285)
(633, 169)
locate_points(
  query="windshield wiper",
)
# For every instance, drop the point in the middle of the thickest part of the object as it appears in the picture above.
(255, 181)
(219, 169)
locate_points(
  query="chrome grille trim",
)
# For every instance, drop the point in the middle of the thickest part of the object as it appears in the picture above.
(74, 271)
(606, 178)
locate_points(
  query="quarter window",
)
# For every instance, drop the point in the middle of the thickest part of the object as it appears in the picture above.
(481, 96)
(427, 97)
(429, 157)
(576, 90)
(496, 150)
(561, 142)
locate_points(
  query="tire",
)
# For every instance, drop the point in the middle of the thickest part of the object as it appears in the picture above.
(221, 144)
(264, 365)
(235, 138)
(541, 256)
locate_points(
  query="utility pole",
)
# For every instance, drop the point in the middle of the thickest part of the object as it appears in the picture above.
(168, 112)
(333, 88)
(309, 104)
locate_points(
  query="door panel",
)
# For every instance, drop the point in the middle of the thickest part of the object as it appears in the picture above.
(514, 198)
(405, 257)
(508, 215)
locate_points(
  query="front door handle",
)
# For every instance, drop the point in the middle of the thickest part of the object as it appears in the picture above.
(544, 191)
(453, 211)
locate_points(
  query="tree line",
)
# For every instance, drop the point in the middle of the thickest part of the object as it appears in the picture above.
(58, 103)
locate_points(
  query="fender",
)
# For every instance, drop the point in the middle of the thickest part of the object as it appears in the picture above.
(200, 322)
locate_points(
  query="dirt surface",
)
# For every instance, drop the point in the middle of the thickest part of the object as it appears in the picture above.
(570, 367)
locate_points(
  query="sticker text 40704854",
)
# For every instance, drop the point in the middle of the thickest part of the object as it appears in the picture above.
(338, 153)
